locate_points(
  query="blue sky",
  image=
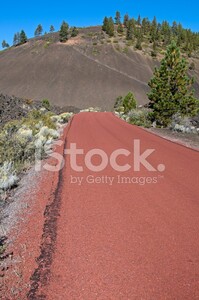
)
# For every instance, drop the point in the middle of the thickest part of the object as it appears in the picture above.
(17, 15)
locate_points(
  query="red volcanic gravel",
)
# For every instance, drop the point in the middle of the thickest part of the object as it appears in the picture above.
(97, 239)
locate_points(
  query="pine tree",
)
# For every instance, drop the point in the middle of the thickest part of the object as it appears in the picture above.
(23, 37)
(171, 91)
(126, 20)
(16, 39)
(120, 28)
(181, 35)
(5, 44)
(144, 26)
(130, 30)
(38, 30)
(154, 51)
(129, 102)
(174, 28)
(166, 33)
(139, 21)
(63, 34)
(110, 27)
(74, 32)
(117, 18)
(153, 31)
(52, 29)
(126, 103)
(105, 24)
(138, 44)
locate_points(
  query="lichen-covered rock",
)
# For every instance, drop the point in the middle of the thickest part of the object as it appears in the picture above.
(183, 124)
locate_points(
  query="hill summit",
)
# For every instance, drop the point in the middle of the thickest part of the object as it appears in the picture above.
(91, 69)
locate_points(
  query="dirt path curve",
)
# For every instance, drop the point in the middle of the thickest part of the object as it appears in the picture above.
(123, 241)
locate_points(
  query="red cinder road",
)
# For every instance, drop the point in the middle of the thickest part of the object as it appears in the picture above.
(136, 239)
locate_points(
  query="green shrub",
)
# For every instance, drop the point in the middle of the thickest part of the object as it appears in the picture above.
(126, 103)
(46, 104)
(126, 50)
(129, 102)
(139, 117)
(119, 104)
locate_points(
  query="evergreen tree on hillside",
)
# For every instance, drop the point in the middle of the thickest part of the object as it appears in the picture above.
(174, 29)
(138, 44)
(120, 28)
(52, 29)
(38, 30)
(180, 35)
(74, 32)
(63, 34)
(171, 91)
(105, 24)
(126, 20)
(129, 102)
(166, 33)
(139, 21)
(23, 38)
(158, 34)
(189, 42)
(146, 25)
(154, 51)
(126, 103)
(117, 18)
(130, 30)
(153, 31)
(5, 44)
(110, 28)
(16, 39)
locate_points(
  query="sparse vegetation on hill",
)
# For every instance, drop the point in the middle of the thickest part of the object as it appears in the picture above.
(152, 34)
(111, 51)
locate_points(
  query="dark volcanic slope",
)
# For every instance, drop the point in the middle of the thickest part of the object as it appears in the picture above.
(77, 73)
